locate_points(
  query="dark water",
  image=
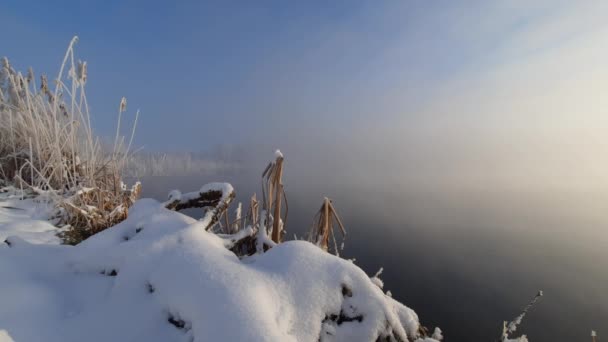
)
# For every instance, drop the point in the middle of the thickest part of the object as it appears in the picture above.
(464, 259)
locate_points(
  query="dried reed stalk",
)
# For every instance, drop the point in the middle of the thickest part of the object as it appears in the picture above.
(510, 327)
(273, 195)
(276, 224)
(323, 226)
(250, 222)
(251, 217)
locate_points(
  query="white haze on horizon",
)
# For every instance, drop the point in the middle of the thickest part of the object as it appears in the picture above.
(499, 101)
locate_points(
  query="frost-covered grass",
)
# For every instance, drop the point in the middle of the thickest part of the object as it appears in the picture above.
(48, 147)
(159, 276)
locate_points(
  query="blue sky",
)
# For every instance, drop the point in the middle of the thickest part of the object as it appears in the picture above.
(427, 82)
(198, 69)
(204, 68)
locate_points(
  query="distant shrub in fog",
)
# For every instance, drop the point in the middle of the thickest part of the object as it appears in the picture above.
(175, 164)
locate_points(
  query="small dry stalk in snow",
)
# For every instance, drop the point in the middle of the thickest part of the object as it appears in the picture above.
(323, 226)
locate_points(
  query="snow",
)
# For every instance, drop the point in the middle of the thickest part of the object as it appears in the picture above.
(5, 337)
(174, 195)
(511, 327)
(18, 217)
(377, 281)
(225, 188)
(33, 231)
(158, 276)
(437, 334)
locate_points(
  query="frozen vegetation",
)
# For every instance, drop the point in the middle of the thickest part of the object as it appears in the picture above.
(48, 149)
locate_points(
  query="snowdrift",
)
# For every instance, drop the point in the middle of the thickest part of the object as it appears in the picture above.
(158, 276)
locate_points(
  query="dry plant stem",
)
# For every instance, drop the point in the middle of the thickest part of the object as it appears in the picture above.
(267, 192)
(336, 216)
(228, 229)
(237, 224)
(206, 199)
(326, 223)
(322, 230)
(273, 195)
(511, 327)
(253, 210)
(276, 227)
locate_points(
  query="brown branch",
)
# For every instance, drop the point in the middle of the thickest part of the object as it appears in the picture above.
(206, 199)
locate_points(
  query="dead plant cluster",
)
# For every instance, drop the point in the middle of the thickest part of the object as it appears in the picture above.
(49, 150)
(263, 225)
(92, 210)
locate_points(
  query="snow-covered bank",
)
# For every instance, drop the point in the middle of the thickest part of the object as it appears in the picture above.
(158, 276)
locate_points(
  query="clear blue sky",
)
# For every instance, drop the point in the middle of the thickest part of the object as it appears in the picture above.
(414, 78)
(201, 69)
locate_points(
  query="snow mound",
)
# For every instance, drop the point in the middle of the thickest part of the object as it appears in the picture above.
(158, 276)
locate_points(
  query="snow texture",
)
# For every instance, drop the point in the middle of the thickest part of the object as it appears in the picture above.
(18, 217)
(158, 276)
